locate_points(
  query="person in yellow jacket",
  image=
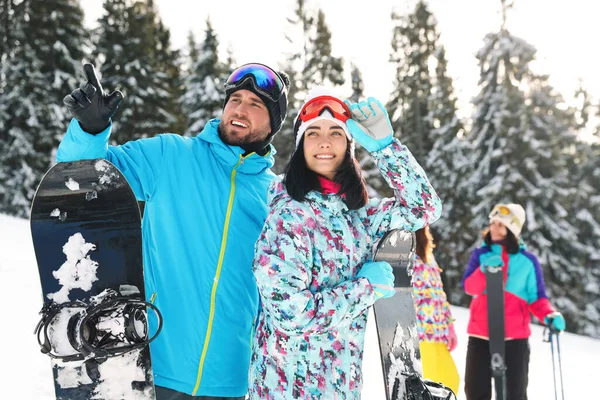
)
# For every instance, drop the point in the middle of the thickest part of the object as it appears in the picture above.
(435, 324)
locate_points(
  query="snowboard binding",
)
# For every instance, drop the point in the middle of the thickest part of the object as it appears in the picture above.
(111, 325)
(416, 388)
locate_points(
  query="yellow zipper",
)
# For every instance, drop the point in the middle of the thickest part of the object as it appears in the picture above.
(217, 275)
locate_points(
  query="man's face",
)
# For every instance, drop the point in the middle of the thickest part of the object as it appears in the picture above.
(245, 119)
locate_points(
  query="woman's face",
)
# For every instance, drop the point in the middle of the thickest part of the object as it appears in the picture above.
(497, 231)
(325, 145)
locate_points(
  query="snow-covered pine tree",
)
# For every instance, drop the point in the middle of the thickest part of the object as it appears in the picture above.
(415, 38)
(583, 106)
(6, 34)
(597, 130)
(41, 68)
(135, 57)
(445, 166)
(296, 36)
(204, 95)
(168, 62)
(192, 52)
(321, 67)
(586, 206)
(357, 83)
(6, 54)
(556, 236)
(423, 110)
(308, 64)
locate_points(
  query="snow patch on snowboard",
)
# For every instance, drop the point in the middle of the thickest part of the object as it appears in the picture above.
(398, 235)
(78, 272)
(58, 214)
(402, 368)
(116, 376)
(72, 184)
(71, 375)
(109, 176)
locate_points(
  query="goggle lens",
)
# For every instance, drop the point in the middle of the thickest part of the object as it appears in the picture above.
(315, 107)
(265, 79)
(500, 210)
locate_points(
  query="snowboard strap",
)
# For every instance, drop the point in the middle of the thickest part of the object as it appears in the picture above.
(49, 311)
(83, 330)
(422, 389)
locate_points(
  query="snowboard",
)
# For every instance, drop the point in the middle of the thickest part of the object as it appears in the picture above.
(396, 322)
(86, 231)
(495, 307)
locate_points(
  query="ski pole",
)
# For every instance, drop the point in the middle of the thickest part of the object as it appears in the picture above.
(551, 340)
(550, 333)
(562, 387)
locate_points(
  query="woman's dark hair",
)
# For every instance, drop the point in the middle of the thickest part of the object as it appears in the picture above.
(510, 242)
(425, 245)
(299, 179)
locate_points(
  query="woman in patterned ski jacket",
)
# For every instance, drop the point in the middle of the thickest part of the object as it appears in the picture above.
(313, 260)
(437, 337)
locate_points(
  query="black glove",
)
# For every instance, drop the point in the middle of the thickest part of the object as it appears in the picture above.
(90, 105)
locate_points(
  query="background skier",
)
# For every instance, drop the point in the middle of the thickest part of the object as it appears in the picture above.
(524, 292)
(435, 324)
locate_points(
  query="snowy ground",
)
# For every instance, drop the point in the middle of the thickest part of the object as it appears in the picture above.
(25, 373)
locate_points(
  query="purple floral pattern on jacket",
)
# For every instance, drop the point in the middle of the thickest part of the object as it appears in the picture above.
(310, 335)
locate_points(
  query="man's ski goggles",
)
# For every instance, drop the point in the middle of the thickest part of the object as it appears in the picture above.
(264, 80)
(316, 106)
(500, 210)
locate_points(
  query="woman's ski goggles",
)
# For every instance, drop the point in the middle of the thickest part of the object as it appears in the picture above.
(500, 210)
(313, 108)
(264, 80)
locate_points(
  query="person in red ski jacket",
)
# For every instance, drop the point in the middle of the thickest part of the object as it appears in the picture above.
(524, 293)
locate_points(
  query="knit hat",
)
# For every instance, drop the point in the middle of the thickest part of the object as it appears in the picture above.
(320, 91)
(276, 109)
(511, 215)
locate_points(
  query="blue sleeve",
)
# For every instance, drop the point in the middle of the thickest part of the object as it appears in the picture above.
(80, 145)
(140, 161)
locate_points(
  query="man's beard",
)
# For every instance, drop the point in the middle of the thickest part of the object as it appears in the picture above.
(230, 138)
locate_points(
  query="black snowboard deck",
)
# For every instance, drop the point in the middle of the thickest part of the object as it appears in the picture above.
(86, 230)
(396, 318)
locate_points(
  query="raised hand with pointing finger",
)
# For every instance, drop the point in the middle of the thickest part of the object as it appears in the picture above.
(90, 105)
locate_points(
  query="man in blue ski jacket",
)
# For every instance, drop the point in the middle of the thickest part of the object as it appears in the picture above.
(205, 205)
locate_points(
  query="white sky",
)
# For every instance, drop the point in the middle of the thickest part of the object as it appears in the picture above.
(25, 373)
(361, 33)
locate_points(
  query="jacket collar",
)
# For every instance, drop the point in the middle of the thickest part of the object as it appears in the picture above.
(319, 202)
(497, 248)
(230, 156)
